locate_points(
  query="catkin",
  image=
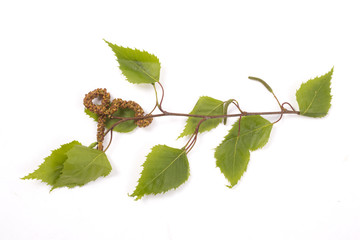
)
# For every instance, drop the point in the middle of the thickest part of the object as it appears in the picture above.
(107, 108)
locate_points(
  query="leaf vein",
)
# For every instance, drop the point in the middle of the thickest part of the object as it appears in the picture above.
(143, 70)
(234, 157)
(152, 180)
(312, 100)
(256, 129)
(93, 160)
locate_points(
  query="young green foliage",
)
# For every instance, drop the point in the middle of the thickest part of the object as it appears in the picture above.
(83, 165)
(50, 170)
(314, 96)
(205, 106)
(165, 168)
(72, 165)
(137, 66)
(233, 154)
(123, 127)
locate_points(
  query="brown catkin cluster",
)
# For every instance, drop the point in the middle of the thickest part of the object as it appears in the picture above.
(139, 112)
(107, 108)
(105, 101)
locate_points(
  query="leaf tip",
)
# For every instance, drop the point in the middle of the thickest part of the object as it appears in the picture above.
(180, 136)
(25, 178)
(230, 186)
(135, 196)
(107, 42)
(314, 96)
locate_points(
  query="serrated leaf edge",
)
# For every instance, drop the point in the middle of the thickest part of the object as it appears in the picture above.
(250, 150)
(143, 70)
(138, 197)
(223, 141)
(80, 185)
(188, 120)
(316, 92)
(52, 151)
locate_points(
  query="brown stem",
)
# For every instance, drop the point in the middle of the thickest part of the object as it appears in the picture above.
(152, 109)
(281, 115)
(189, 142)
(194, 137)
(123, 119)
(111, 137)
(286, 103)
(156, 101)
(236, 103)
(206, 116)
(284, 110)
(189, 145)
(115, 124)
(162, 97)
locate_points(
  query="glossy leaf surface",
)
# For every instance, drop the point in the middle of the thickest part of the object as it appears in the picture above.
(205, 106)
(314, 96)
(165, 168)
(233, 154)
(137, 66)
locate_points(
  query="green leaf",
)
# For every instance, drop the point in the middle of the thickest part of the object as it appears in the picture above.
(91, 114)
(72, 165)
(50, 170)
(233, 154)
(314, 96)
(123, 127)
(165, 168)
(82, 165)
(137, 66)
(205, 106)
(232, 158)
(254, 131)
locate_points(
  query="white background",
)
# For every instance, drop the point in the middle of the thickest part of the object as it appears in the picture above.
(304, 184)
